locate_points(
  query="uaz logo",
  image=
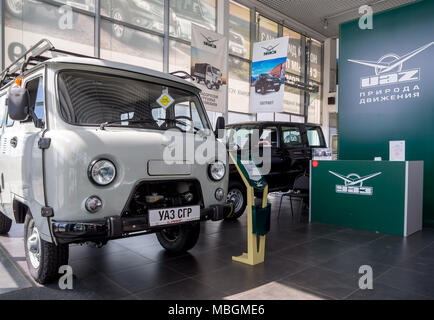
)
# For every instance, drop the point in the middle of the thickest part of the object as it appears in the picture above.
(388, 69)
(270, 50)
(209, 41)
(353, 184)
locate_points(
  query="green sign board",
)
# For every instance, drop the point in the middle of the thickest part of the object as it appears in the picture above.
(359, 194)
(251, 172)
(386, 81)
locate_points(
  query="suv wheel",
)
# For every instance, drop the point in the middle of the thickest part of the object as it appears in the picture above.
(180, 238)
(209, 85)
(43, 258)
(237, 194)
(5, 224)
(277, 89)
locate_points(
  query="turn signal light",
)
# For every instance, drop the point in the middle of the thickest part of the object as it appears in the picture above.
(18, 82)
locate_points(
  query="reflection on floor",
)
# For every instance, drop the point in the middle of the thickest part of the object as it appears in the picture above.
(303, 261)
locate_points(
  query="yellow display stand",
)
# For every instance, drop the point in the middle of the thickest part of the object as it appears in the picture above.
(255, 249)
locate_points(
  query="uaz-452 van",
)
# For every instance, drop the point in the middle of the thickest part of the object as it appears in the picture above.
(81, 157)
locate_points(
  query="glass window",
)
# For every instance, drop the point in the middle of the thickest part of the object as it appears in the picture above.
(234, 117)
(241, 136)
(282, 117)
(94, 99)
(268, 30)
(292, 97)
(314, 137)
(315, 60)
(239, 30)
(179, 57)
(122, 44)
(265, 116)
(185, 12)
(87, 5)
(268, 135)
(239, 85)
(36, 93)
(293, 64)
(314, 106)
(291, 135)
(29, 21)
(148, 14)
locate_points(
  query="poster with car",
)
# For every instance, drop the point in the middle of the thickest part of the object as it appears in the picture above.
(209, 52)
(268, 75)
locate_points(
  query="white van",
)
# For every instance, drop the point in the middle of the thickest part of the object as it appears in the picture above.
(81, 156)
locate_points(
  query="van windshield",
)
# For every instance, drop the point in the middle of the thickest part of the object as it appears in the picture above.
(91, 99)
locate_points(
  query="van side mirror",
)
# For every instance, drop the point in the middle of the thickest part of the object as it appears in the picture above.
(220, 125)
(18, 104)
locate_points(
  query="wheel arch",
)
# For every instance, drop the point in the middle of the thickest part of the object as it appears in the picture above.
(20, 210)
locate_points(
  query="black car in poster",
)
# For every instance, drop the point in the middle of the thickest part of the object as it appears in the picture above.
(291, 151)
(267, 82)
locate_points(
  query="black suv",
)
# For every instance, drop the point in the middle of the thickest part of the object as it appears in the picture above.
(267, 82)
(291, 150)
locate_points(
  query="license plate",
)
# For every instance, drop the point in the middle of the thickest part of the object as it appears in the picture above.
(166, 216)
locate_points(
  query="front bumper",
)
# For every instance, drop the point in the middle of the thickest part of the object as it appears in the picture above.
(116, 227)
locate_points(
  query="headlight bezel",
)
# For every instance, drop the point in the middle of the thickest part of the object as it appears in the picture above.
(90, 172)
(210, 167)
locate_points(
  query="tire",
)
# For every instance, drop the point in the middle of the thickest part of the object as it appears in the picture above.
(237, 194)
(14, 7)
(45, 261)
(263, 90)
(209, 84)
(257, 89)
(217, 86)
(119, 31)
(180, 238)
(5, 224)
(277, 89)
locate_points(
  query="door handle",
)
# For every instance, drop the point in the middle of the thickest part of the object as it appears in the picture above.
(14, 142)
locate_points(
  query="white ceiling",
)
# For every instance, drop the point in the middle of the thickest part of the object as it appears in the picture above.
(313, 12)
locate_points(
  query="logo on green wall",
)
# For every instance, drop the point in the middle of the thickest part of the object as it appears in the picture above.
(353, 184)
(389, 69)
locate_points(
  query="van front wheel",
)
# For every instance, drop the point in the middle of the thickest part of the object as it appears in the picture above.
(237, 195)
(43, 258)
(5, 224)
(180, 238)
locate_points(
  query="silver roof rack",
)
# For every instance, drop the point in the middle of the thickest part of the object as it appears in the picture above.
(31, 58)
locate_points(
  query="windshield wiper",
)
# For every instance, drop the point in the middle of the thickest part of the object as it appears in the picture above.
(106, 124)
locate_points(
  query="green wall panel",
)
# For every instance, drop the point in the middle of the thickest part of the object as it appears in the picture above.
(401, 100)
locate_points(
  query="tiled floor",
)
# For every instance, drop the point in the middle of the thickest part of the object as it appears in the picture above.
(303, 261)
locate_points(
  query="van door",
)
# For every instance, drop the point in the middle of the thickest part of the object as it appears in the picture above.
(23, 173)
(295, 152)
(269, 138)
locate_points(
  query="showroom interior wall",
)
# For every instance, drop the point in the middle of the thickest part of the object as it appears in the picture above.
(377, 106)
(120, 31)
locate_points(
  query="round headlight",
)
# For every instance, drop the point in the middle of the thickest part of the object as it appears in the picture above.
(102, 172)
(217, 171)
